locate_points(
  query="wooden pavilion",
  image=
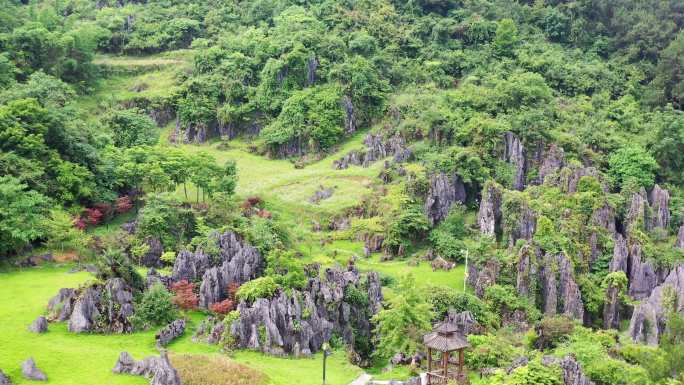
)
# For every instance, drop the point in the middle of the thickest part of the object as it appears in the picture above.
(445, 339)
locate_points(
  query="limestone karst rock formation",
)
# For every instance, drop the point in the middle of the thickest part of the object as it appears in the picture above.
(300, 322)
(170, 332)
(238, 261)
(489, 215)
(443, 192)
(157, 369)
(376, 148)
(100, 308)
(648, 318)
(514, 153)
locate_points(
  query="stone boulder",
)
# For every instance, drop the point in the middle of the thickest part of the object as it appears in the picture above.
(61, 305)
(648, 318)
(4, 380)
(444, 191)
(679, 243)
(40, 325)
(170, 332)
(642, 274)
(321, 194)
(464, 321)
(31, 372)
(489, 215)
(157, 369)
(611, 307)
(376, 148)
(440, 263)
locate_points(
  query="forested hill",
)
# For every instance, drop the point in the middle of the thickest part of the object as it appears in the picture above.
(353, 155)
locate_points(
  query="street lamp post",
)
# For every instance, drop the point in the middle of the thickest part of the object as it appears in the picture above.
(326, 353)
(465, 275)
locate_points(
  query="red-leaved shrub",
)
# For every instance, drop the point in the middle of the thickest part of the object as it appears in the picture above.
(123, 204)
(223, 307)
(93, 216)
(105, 208)
(79, 223)
(185, 297)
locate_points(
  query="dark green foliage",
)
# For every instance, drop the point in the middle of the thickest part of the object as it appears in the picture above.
(131, 128)
(115, 264)
(409, 226)
(447, 238)
(166, 219)
(445, 299)
(263, 287)
(286, 269)
(154, 308)
(632, 167)
(21, 215)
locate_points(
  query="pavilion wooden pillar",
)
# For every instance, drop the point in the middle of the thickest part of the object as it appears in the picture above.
(460, 361)
(429, 380)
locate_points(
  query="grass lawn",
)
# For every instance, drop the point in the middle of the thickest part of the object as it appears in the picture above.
(85, 359)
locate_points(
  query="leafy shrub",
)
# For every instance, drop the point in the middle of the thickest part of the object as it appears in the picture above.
(632, 167)
(355, 296)
(185, 297)
(489, 350)
(551, 331)
(168, 257)
(286, 269)
(154, 308)
(131, 128)
(115, 264)
(263, 287)
(444, 298)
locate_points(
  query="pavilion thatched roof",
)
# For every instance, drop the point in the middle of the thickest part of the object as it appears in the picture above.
(445, 338)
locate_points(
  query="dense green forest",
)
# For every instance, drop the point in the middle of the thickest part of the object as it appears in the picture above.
(289, 177)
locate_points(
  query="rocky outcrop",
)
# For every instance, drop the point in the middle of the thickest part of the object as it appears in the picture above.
(301, 321)
(527, 271)
(31, 372)
(40, 325)
(642, 274)
(603, 219)
(520, 224)
(321, 194)
(61, 305)
(240, 263)
(481, 276)
(190, 266)
(553, 161)
(679, 243)
(349, 115)
(637, 214)
(620, 255)
(444, 191)
(4, 380)
(151, 258)
(572, 372)
(99, 308)
(560, 292)
(440, 263)
(514, 153)
(648, 318)
(489, 215)
(311, 67)
(157, 369)
(464, 321)
(170, 332)
(153, 277)
(376, 148)
(659, 199)
(611, 306)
